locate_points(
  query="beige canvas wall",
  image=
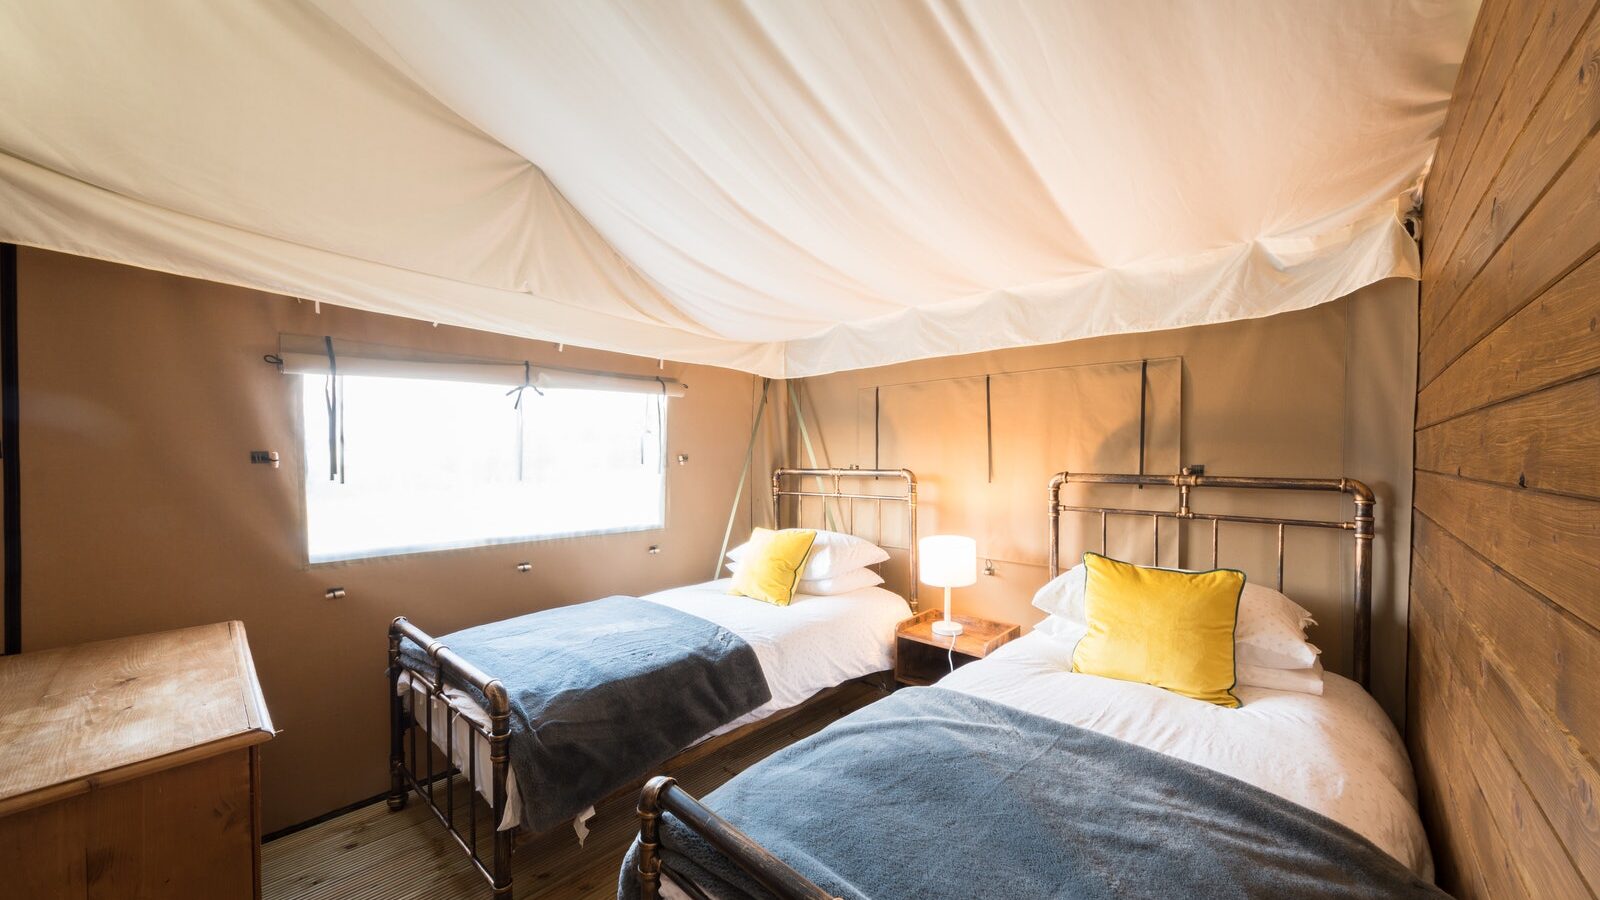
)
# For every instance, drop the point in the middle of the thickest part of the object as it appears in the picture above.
(1322, 392)
(142, 397)
(144, 393)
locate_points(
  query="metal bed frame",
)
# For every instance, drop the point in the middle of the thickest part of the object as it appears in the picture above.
(662, 795)
(1361, 525)
(407, 772)
(829, 486)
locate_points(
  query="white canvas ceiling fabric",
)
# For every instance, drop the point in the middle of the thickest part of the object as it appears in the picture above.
(784, 188)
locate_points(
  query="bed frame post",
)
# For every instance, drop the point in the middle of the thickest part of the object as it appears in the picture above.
(397, 722)
(1364, 530)
(499, 761)
(1056, 481)
(911, 510)
(777, 495)
(649, 869)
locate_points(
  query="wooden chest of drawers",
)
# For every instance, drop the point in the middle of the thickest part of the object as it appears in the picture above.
(128, 768)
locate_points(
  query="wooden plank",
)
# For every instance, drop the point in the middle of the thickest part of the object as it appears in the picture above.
(1522, 154)
(96, 714)
(1449, 856)
(1554, 656)
(1550, 543)
(183, 832)
(41, 851)
(1556, 236)
(1548, 441)
(1559, 776)
(1455, 141)
(1555, 774)
(203, 846)
(1553, 339)
(1476, 830)
(1517, 838)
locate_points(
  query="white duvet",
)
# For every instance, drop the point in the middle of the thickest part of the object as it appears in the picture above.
(1337, 754)
(810, 645)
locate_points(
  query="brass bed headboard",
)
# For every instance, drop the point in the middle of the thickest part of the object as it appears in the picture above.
(1361, 525)
(829, 486)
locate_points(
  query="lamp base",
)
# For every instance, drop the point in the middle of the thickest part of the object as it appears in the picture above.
(947, 628)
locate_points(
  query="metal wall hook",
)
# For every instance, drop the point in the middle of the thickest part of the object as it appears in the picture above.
(655, 550)
(988, 567)
(334, 593)
(524, 567)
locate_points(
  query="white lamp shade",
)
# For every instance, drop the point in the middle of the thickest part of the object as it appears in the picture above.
(948, 560)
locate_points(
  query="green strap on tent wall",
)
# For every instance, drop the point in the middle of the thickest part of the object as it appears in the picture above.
(811, 455)
(749, 455)
(744, 475)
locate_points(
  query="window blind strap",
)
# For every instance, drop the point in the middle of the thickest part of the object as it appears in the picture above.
(526, 385)
(335, 415)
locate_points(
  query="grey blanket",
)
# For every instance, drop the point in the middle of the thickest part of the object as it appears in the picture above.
(933, 793)
(602, 693)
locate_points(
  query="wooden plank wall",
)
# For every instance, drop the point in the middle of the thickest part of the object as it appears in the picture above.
(1504, 689)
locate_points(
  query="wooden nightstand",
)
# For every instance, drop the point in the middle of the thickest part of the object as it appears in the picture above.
(922, 657)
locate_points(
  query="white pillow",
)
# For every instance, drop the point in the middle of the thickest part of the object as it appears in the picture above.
(832, 554)
(1271, 631)
(828, 587)
(1303, 681)
(1300, 681)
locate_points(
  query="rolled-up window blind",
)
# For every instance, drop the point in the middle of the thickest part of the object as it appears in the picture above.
(308, 355)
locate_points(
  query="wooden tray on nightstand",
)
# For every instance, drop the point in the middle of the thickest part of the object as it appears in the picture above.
(922, 657)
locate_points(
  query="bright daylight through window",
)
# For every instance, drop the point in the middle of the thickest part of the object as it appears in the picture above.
(434, 464)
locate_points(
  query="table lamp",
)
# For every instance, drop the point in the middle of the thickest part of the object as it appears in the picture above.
(947, 561)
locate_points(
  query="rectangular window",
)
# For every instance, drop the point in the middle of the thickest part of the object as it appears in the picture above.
(430, 464)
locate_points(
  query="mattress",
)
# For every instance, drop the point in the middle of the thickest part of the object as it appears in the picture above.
(810, 645)
(1337, 754)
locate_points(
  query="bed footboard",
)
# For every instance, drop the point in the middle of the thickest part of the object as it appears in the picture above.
(406, 772)
(662, 794)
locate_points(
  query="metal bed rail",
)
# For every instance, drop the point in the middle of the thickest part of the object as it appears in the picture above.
(410, 770)
(1361, 525)
(404, 773)
(662, 794)
(829, 485)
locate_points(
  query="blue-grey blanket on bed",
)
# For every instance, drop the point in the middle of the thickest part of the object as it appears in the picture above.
(604, 692)
(932, 793)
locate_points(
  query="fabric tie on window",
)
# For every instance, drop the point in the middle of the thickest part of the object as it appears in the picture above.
(527, 385)
(335, 416)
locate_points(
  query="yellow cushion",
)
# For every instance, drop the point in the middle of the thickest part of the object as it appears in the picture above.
(1160, 626)
(771, 570)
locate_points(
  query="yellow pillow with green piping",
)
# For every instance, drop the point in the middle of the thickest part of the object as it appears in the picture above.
(1163, 627)
(771, 570)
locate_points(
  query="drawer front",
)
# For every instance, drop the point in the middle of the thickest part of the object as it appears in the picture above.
(180, 833)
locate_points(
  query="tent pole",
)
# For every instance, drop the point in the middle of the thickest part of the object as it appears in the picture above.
(9, 428)
(744, 474)
(811, 455)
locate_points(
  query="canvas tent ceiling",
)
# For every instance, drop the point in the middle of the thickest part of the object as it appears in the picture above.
(786, 188)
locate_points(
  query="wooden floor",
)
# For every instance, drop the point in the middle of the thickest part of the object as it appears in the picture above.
(372, 853)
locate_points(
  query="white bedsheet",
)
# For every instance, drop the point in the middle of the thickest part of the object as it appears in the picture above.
(1337, 754)
(810, 645)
